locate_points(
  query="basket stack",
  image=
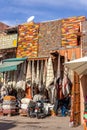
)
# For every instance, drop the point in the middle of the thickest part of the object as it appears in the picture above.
(9, 105)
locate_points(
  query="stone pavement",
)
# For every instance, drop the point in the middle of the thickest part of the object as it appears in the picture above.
(26, 123)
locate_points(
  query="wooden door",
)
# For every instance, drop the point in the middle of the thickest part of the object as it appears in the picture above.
(76, 100)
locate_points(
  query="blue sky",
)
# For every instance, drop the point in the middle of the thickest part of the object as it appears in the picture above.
(13, 12)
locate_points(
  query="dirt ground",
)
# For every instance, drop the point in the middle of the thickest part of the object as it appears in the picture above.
(26, 123)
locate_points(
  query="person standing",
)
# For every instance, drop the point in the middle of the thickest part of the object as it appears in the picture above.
(59, 95)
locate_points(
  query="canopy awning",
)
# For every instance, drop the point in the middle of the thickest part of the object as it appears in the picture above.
(78, 65)
(11, 64)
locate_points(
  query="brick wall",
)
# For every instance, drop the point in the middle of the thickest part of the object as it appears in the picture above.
(84, 38)
(49, 37)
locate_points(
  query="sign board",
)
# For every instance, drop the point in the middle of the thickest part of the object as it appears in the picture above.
(8, 41)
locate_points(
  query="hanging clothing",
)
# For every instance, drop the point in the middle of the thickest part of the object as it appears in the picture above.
(41, 74)
(28, 92)
(66, 86)
(33, 72)
(58, 69)
(28, 74)
(52, 93)
(50, 73)
(41, 86)
(37, 73)
(59, 89)
(21, 81)
(44, 72)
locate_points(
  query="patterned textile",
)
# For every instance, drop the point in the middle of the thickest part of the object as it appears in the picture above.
(27, 40)
(37, 97)
(28, 74)
(37, 73)
(58, 69)
(66, 86)
(21, 81)
(44, 72)
(24, 106)
(26, 100)
(9, 98)
(33, 72)
(52, 95)
(65, 83)
(9, 103)
(8, 107)
(41, 77)
(70, 27)
(7, 111)
(50, 73)
(6, 102)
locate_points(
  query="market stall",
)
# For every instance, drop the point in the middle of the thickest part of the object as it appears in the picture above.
(79, 66)
(14, 78)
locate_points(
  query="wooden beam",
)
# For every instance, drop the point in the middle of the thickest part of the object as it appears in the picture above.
(80, 34)
(38, 58)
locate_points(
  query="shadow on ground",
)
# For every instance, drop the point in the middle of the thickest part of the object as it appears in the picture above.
(7, 125)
